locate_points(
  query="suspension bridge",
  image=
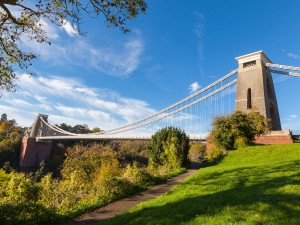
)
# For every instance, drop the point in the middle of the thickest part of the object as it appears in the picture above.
(195, 113)
(250, 86)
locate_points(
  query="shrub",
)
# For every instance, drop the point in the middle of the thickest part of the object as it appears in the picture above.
(85, 160)
(238, 129)
(214, 152)
(47, 195)
(196, 152)
(114, 188)
(168, 147)
(138, 176)
(109, 167)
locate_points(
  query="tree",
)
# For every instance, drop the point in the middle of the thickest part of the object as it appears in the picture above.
(3, 117)
(96, 130)
(238, 129)
(10, 141)
(80, 129)
(168, 147)
(23, 20)
(82, 159)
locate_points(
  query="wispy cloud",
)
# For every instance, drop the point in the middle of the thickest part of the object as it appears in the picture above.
(76, 112)
(194, 87)
(114, 61)
(199, 31)
(293, 116)
(115, 58)
(50, 30)
(70, 30)
(68, 100)
(290, 122)
(293, 55)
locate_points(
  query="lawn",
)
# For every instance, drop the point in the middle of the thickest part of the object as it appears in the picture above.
(253, 185)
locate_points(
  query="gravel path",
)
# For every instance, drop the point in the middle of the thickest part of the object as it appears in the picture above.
(122, 205)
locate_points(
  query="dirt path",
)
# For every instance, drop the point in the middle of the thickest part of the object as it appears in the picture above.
(122, 205)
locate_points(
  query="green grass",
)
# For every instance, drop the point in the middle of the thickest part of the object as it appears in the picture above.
(254, 185)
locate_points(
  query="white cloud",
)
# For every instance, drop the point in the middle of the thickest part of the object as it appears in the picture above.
(293, 116)
(293, 55)
(194, 87)
(86, 91)
(20, 103)
(76, 112)
(45, 107)
(117, 59)
(113, 61)
(71, 31)
(23, 118)
(112, 58)
(133, 109)
(69, 99)
(50, 30)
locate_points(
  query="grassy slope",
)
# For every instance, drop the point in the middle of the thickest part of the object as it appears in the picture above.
(254, 185)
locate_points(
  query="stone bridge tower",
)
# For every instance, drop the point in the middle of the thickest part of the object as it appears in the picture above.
(255, 89)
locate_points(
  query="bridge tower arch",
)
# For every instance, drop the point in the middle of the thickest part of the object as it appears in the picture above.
(38, 128)
(255, 88)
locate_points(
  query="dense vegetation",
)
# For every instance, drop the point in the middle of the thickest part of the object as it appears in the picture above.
(10, 142)
(90, 175)
(252, 185)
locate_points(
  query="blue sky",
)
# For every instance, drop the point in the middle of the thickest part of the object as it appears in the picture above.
(108, 78)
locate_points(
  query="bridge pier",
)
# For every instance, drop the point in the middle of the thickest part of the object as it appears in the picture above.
(33, 153)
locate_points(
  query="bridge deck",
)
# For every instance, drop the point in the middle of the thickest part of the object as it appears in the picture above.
(201, 137)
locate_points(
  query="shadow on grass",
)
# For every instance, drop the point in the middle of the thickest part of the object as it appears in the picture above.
(196, 165)
(257, 195)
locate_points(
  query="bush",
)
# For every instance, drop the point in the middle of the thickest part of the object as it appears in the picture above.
(85, 160)
(238, 129)
(114, 188)
(196, 152)
(214, 152)
(109, 167)
(138, 176)
(168, 147)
